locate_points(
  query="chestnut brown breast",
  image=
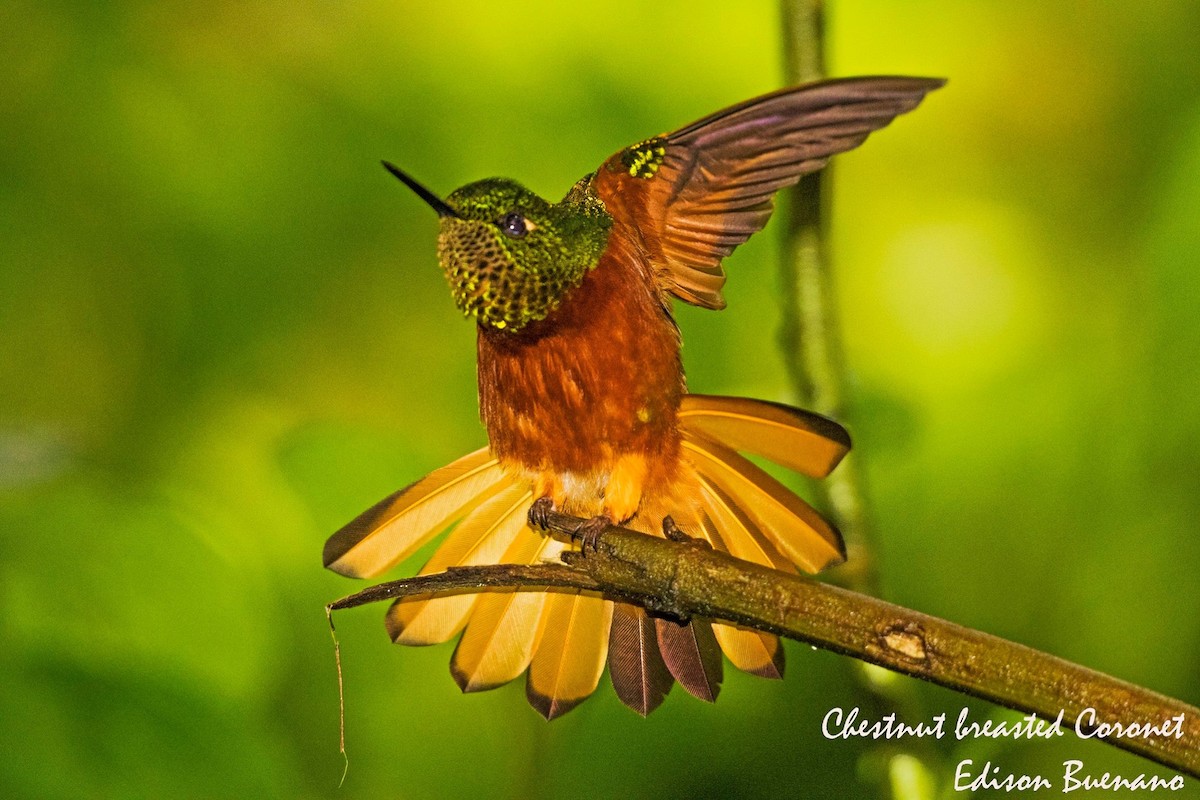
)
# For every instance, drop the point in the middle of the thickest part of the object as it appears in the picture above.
(598, 378)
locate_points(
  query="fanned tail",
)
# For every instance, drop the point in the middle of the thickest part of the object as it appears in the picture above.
(491, 534)
(749, 514)
(635, 664)
(691, 653)
(503, 632)
(564, 639)
(791, 437)
(570, 656)
(789, 523)
(750, 650)
(728, 528)
(395, 527)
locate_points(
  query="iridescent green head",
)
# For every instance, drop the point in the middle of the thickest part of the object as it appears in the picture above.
(510, 256)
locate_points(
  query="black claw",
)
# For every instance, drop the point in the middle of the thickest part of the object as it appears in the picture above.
(675, 534)
(672, 532)
(539, 512)
(589, 532)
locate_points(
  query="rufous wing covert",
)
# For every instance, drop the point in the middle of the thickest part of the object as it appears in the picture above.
(706, 188)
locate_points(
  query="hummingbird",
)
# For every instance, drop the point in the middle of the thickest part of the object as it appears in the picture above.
(583, 398)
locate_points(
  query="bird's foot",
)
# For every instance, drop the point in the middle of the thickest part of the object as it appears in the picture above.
(539, 512)
(675, 534)
(589, 532)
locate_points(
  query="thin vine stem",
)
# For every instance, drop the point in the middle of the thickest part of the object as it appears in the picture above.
(809, 335)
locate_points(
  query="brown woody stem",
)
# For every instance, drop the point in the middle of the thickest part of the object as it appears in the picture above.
(685, 579)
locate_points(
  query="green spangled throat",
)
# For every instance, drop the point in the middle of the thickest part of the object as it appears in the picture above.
(508, 282)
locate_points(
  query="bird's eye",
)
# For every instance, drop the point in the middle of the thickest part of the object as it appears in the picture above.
(514, 225)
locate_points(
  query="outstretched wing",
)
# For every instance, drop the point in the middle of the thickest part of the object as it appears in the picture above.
(699, 192)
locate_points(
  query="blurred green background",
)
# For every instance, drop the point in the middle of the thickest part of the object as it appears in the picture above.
(223, 334)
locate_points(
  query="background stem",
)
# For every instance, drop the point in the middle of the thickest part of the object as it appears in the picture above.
(809, 337)
(810, 342)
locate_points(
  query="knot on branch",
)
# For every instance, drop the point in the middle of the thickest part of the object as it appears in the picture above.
(904, 640)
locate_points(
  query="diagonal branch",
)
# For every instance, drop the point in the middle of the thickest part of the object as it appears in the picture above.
(689, 579)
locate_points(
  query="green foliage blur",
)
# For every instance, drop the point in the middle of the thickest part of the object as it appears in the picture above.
(223, 334)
